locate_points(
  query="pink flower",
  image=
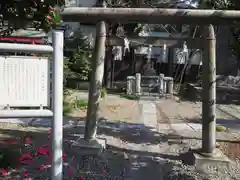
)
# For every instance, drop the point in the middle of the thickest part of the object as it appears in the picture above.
(64, 155)
(27, 140)
(105, 172)
(4, 172)
(81, 178)
(43, 151)
(25, 174)
(25, 157)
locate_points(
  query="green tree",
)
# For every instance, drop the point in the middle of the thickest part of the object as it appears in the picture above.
(235, 30)
(79, 64)
(16, 14)
(79, 54)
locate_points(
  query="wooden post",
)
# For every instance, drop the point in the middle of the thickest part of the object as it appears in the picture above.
(209, 92)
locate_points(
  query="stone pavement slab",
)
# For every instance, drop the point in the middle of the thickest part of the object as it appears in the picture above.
(184, 119)
(149, 114)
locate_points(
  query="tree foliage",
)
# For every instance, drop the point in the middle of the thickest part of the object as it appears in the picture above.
(41, 14)
(79, 56)
(79, 65)
(235, 28)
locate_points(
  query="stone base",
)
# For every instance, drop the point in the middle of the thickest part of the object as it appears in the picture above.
(202, 160)
(94, 147)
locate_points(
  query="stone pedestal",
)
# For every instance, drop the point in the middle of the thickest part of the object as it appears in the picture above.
(203, 161)
(94, 147)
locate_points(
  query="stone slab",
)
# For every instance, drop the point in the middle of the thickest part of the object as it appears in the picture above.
(163, 127)
(202, 162)
(195, 126)
(24, 121)
(181, 127)
(94, 147)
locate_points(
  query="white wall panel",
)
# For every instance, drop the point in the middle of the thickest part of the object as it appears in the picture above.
(24, 81)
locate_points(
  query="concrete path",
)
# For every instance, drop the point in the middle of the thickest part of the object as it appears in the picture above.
(184, 119)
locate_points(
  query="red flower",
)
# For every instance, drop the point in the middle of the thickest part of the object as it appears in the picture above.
(64, 155)
(25, 157)
(10, 141)
(25, 174)
(27, 140)
(81, 178)
(43, 151)
(4, 172)
(105, 172)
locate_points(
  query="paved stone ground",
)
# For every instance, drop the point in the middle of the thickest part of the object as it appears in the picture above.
(185, 118)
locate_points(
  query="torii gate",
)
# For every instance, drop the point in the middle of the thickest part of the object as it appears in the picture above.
(160, 16)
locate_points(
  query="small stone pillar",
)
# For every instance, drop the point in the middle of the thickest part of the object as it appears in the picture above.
(164, 85)
(168, 85)
(161, 83)
(138, 84)
(130, 85)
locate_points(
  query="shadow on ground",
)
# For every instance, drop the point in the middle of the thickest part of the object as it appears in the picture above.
(130, 132)
(114, 163)
(233, 123)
